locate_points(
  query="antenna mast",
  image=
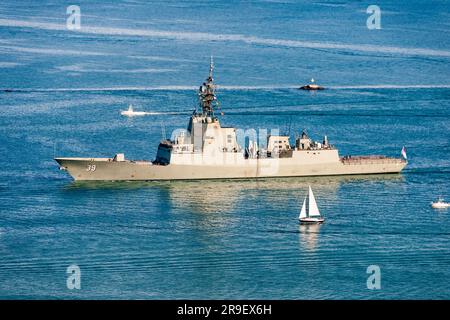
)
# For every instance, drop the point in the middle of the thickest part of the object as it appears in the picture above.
(207, 93)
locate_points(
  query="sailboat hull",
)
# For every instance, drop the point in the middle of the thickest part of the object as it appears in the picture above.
(311, 220)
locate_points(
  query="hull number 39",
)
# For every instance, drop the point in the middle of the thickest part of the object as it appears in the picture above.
(91, 167)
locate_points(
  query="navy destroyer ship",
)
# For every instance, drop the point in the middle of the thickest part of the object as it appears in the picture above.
(208, 150)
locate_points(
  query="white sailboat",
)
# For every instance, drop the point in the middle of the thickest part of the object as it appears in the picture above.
(312, 215)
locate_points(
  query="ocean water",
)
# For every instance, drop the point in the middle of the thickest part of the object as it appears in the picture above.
(61, 95)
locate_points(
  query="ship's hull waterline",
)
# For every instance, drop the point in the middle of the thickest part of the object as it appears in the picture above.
(104, 169)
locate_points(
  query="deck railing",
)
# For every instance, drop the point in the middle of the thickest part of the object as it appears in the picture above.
(350, 160)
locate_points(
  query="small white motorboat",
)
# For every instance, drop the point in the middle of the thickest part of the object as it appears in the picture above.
(440, 204)
(312, 215)
(131, 113)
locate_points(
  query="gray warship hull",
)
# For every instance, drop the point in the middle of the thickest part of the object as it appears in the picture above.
(106, 169)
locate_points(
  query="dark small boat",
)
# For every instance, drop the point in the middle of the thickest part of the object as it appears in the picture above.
(311, 86)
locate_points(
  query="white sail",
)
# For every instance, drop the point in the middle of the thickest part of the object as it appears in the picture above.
(255, 149)
(313, 210)
(303, 211)
(130, 108)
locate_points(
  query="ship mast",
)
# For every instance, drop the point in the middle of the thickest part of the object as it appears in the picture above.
(207, 94)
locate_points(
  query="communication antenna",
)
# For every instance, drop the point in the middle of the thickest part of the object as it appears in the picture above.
(206, 93)
(211, 67)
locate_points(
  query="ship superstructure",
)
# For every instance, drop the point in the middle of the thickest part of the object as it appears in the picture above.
(205, 140)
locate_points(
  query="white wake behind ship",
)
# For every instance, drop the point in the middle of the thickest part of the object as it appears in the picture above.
(207, 150)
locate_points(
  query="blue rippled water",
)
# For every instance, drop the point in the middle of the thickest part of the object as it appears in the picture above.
(387, 88)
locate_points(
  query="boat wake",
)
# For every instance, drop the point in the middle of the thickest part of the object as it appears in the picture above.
(393, 86)
(131, 113)
(231, 88)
